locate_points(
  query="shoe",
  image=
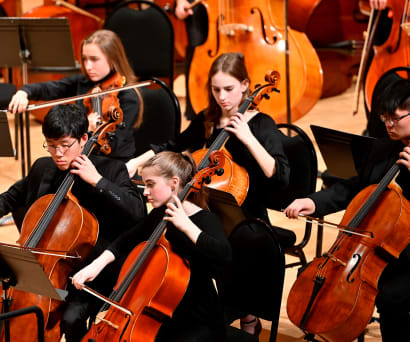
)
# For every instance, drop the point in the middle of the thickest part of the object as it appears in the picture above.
(255, 324)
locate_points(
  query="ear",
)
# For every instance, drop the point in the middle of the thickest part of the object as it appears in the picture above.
(174, 183)
(244, 85)
(84, 139)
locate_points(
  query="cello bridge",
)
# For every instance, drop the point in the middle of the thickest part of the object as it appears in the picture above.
(230, 29)
(335, 259)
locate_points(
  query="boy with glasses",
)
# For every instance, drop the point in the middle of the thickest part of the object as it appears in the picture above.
(103, 187)
(393, 299)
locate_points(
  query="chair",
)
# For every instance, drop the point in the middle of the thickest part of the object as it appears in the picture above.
(161, 116)
(253, 282)
(303, 175)
(7, 90)
(148, 38)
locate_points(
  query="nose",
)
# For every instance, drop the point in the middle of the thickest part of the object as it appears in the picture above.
(389, 123)
(146, 192)
(87, 65)
(222, 95)
(58, 151)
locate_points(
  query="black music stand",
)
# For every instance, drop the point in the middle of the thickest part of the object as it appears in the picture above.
(342, 152)
(43, 44)
(19, 268)
(226, 207)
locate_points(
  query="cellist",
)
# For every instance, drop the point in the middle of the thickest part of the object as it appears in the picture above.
(393, 298)
(254, 144)
(103, 187)
(194, 233)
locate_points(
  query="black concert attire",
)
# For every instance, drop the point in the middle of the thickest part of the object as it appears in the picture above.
(198, 317)
(393, 299)
(123, 143)
(114, 201)
(263, 127)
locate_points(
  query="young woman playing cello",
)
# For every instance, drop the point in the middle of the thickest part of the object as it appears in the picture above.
(104, 64)
(254, 143)
(194, 233)
(393, 299)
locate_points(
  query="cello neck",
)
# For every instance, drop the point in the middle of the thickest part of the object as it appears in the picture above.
(58, 197)
(117, 294)
(381, 187)
(222, 137)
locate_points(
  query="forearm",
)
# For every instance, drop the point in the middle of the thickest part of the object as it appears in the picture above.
(265, 161)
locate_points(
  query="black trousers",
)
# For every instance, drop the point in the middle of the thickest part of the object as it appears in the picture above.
(393, 300)
(79, 308)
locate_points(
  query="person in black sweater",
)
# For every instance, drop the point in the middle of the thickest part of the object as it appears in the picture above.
(393, 299)
(254, 143)
(103, 61)
(195, 234)
(102, 187)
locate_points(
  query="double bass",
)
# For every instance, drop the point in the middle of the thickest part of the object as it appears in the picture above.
(151, 283)
(394, 52)
(256, 29)
(334, 296)
(335, 28)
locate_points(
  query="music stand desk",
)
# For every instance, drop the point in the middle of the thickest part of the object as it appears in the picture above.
(36, 43)
(343, 153)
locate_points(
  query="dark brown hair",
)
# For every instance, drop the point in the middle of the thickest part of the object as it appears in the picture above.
(233, 64)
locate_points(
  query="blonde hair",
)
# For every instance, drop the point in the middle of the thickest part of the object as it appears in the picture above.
(182, 165)
(111, 46)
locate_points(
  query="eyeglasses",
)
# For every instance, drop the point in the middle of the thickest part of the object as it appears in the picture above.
(62, 148)
(386, 118)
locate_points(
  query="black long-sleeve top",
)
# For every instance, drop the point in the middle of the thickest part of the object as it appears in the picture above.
(114, 201)
(263, 127)
(123, 143)
(383, 155)
(206, 258)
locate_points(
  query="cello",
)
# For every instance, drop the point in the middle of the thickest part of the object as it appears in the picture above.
(151, 283)
(57, 222)
(255, 29)
(334, 296)
(235, 179)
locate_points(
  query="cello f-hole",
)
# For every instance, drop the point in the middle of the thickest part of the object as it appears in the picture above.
(218, 32)
(359, 257)
(265, 36)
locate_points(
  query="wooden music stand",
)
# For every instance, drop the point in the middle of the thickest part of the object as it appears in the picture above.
(43, 44)
(20, 269)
